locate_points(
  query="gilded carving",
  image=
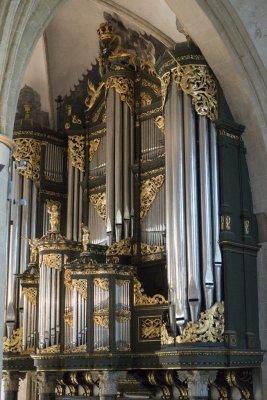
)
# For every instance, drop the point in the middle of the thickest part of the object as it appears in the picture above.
(160, 122)
(164, 337)
(124, 87)
(102, 320)
(28, 150)
(76, 145)
(31, 294)
(151, 328)
(243, 386)
(79, 349)
(53, 209)
(98, 112)
(225, 222)
(68, 318)
(151, 85)
(92, 94)
(51, 349)
(210, 327)
(123, 247)
(99, 201)
(102, 283)
(76, 120)
(67, 279)
(81, 286)
(147, 249)
(146, 100)
(140, 298)
(149, 190)
(85, 237)
(14, 343)
(150, 113)
(93, 146)
(53, 260)
(34, 251)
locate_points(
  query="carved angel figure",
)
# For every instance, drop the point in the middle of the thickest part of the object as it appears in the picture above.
(34, 251)
(85, 237)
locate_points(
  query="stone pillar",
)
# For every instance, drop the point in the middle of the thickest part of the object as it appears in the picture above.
(108, 381)
(6, 146)
(11, 384)
(46, 382)
(197, 383)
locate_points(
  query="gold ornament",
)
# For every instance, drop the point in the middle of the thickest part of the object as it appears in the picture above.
(14, 343)
(31, 294)
(76, 146)
(123, 316)
(53, 209)
(164, 337)
(52, 260)
(151, 328)
(146, 100)
(99, 201)
(151, 85)
(29, 150)
(160, 122)
(102, 320)
(149, 190)
(81, 286)
(93, 146)
(210, 327)
(98, 112)
(51, 349)
(124, 87)
(121, 248)
(102, 283)
(92, 94)
(140, 298)
(68, 318)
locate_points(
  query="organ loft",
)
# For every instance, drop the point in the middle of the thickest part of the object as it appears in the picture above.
(132, 241)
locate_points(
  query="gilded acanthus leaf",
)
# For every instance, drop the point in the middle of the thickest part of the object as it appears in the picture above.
(81, 286)
(76, 146)
(52, 260)
(93, 146)
(28, 150)
(14, 343)
(99, 201)
(92, 94)
(140, 298)
(149, 190)
(31, 294)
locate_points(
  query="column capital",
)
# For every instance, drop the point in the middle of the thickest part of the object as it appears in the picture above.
(8, 142)
(11, 380)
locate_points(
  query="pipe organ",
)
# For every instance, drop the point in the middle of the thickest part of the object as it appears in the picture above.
(128, 246)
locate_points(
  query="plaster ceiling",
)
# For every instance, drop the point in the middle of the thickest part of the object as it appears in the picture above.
(70, 43)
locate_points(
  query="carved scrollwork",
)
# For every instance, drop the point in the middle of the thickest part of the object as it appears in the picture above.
(149, 190)
(28, 149)
(151, 328)
(146, 100)
(123, 247)
(140, 298)
(102, 320)
(68, 318)
(151, 85)
(31, 294)
(76, 145)
(99, 201)
(92, 94)
(124, 87)
(160, 122)
(147, 249)
(51, 349)
(210, 327)
(14, 343)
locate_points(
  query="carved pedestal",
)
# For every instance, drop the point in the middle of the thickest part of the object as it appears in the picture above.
(11, 384)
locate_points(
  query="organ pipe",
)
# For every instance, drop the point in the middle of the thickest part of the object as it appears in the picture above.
(206, 217)
(194, 289)
(110, 164)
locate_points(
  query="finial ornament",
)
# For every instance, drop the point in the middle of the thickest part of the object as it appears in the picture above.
(53, 209)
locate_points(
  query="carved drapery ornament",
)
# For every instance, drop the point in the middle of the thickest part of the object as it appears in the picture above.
(140, 298)
(99, 201)
(76, 145)
(31, 294)
(124, 86)
(197, 81)
(149, 190)
(28, 149)
(14, 343)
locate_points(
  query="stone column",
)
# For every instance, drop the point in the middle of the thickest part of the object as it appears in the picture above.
(108, 381)
(6, 146)
(11, 384)
(46, 382)
(197, 383)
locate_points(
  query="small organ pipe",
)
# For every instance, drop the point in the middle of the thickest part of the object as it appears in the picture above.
(53, 304)
(118, 167)
(80, 205)
(25, 224)
(126, 170)
(25, 317)
(194, 291)
(215, 206)
(75, 204)
(33, 210)
(75, 318)
(206, 218)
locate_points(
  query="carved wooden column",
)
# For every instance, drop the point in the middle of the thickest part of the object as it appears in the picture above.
(11, 384)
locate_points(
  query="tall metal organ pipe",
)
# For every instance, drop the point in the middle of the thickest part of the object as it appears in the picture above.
(110, 164)
(206, 211)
